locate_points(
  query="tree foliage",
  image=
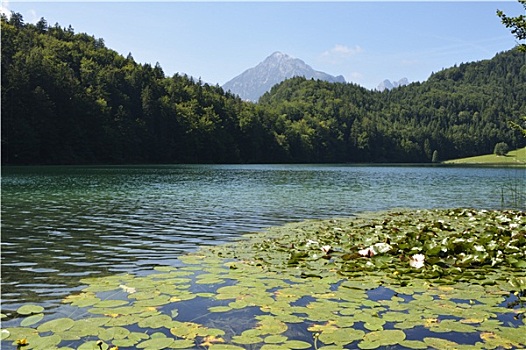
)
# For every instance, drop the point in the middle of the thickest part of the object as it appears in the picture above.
(501, 149)
(516, 24)
(68, 99)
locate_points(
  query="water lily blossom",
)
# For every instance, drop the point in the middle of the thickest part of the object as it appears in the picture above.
(326, 249)
(417, 261)
(22, 342)
(129, 290)
(378, 248)
(367, 252)
(311, 242)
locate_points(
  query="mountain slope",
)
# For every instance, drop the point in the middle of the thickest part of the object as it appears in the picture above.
(458, 112)
(254, 82)
(67, 99)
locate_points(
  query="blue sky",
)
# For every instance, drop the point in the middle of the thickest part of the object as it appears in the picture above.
(366, 42)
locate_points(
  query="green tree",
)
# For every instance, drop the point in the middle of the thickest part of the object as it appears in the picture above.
(518, 28)
(517, 25)
(501, 149)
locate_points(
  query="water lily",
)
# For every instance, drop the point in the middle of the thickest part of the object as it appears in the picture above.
(417, 261)
(311, 242)
(367, 252)
(22, 342)
(210, 340)
(377, 248)
(129, 290)
(326, 249)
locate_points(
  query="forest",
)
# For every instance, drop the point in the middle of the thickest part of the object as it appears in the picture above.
(69, 99)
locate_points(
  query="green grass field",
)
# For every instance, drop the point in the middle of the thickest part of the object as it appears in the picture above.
(517, 157)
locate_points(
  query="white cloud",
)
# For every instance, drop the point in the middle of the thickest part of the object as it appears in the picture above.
(340, 53)
(4, 8)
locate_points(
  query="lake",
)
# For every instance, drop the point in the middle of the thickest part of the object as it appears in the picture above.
(61, 224)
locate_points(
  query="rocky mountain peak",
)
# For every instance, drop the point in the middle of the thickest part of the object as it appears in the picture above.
(388, 85)
(254, 82)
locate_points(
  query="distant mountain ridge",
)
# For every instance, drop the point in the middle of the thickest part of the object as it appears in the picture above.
(389, 85)
(254, 82)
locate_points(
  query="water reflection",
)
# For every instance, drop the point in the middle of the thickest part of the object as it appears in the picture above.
(60, 224)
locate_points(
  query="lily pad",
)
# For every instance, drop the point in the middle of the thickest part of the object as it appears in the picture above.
(297, 344)
(225, 347)
(156, 321)
(31, 320)
(439, 343)
(275, 339)
(385, 337)
(29, 309)
(246, 339)
(156, 343)
(56, 326)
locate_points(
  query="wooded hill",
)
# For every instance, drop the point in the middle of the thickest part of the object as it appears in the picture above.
(68, 99)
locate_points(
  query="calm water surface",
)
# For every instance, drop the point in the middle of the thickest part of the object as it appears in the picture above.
(61, 224)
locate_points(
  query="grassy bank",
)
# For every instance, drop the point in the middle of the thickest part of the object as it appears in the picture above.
(517, 157)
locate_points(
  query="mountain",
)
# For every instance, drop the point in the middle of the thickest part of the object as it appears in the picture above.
(389, 85)
(254, 82)
(68, 99)
(459, 112)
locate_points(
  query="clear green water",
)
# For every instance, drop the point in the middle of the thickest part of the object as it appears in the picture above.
(60, 224)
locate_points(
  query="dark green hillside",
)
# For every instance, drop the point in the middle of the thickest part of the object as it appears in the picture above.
(461, 111)
(68, 99)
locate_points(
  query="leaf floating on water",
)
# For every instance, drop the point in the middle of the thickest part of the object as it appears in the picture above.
(341, 336)
(385, 337)
(56, 326)
(31, 320)
(4, 334)
(246, 339)
(156, 343)
(219, 308)
(413, 344)
(225, 347)
(44, 343)
(29, 309)
(156, 321)
(274, 347)
(268, 325)
(275, 339)
(439, 343)
(297, 344)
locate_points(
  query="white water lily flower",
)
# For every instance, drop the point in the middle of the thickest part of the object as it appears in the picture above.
(417, 261)
(479, 248)
(382, 247)
(129, 290)
(378, 248)
(311, 242)
(368, 252)
(326, 248)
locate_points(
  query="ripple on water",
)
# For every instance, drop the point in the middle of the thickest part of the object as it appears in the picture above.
(66, 223)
